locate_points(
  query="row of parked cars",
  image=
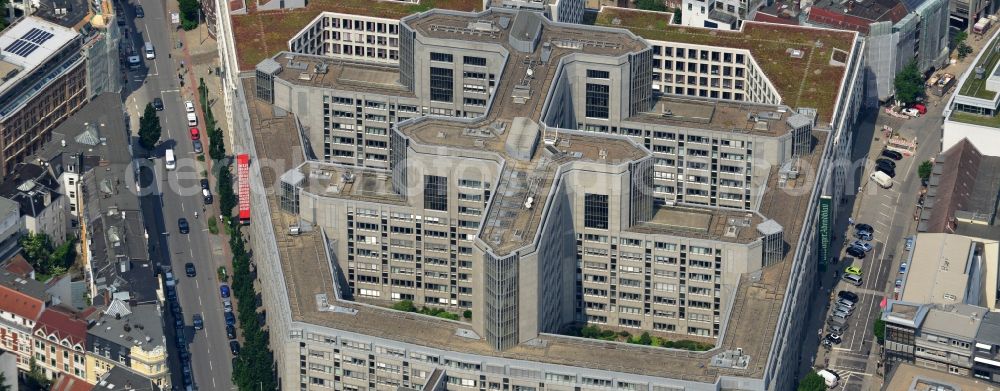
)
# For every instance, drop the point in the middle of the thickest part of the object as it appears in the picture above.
(227, 309)
(841, 309)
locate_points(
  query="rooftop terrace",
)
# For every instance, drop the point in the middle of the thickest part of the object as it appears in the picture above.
(717, 115)
(811, 81)
(262, 33)
(751, 326)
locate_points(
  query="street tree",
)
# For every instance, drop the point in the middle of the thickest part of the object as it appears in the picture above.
(924, 171)
(812, 382)
(149, 128)
(909, 84)
(189, 13)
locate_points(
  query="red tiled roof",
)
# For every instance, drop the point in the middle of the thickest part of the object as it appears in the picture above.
(20, 303)
(19, 266)
(71, 383)
(64, 323)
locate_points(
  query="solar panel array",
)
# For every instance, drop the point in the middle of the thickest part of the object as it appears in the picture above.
(27, 44)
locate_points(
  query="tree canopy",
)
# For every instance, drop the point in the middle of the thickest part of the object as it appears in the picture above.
(812, 382)
(189, 13)
(47, 259)
(909, 84)
(149, 128)
(924, 171)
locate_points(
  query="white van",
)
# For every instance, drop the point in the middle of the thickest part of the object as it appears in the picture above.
(831, 378)
(150, 54)
(192, 119)
(169, 159)
(882, 179)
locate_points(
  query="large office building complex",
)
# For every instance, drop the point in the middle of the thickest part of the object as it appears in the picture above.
(531, 177)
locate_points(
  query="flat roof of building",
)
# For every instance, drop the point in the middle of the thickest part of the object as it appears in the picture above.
(27, 44)
(813, 81)
(67, 13)
(263, 33)
(937, 270)
(959, 320)
(725, 116)
(908, 377)
(987, 61)
(139, 326)
(324, 72)
(334, 180)
(704, 223)
(751, 325)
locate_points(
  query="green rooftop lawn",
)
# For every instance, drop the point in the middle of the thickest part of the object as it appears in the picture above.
(977, 87)
(261, 34)
(809, 81)
(969, 118)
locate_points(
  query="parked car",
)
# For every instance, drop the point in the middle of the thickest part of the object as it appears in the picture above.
(841, 313)
(909, 243)
(920, 108)
(888, 171)
(196, 144)
(206, 196)
(195, 135)
(833, 338)
(866, 246)
(860, 227)
(856, 252)
(883, 164)
(158, 104)
(845, 303)
(853, 279)
(227, 305)
(866, 236)
(230, 318)
(899, 283)
(892, 154)
(189, 106)
(189, 269)
(224, 291)
(843, 308)
(902, 268)
(234, 347)
(849, 296)
(139, 12)
(230, 331)
(182, 226)
(887, 162)
(853, 270)
(204, 184)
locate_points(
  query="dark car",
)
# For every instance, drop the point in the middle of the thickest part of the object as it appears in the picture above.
(182, 225)
(178, 323)
(198, 322)
(856, 252)
(886, 162)
(230, 319)
(204, 184)
(864, 228)
(849, 296)
(196, 144)
(230, 331)
(863, 235)
(234, 347)
(139, 12)
(892, 154)
(882, 165)
(833, 338)
(158, 104)
(888, 171)
(175, 308)
(206, 195)
(224, 291)
(189, 269)
(181, 341)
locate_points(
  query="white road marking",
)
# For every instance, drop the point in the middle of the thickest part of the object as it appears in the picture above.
(169, 91)
(182, 207)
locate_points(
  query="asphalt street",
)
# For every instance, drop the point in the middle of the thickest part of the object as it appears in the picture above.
(890, 212)
(170, 195)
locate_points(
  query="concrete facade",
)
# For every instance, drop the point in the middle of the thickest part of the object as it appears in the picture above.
(367, 224)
